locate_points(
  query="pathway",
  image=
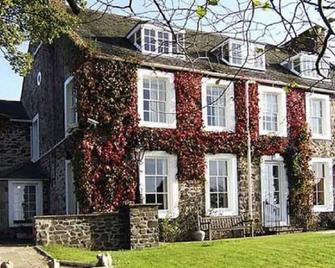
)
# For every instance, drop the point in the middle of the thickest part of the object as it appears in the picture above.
(22, 256)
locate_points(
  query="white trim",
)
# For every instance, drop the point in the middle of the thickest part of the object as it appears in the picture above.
(140, 29)
(282, 120)
(232, 209)
(173, 195)
(37, 49)
(288, 64)
(39, 199)
(66, 127)
(230, 104)
(170, 101)
(328, 187)
(35, 144)
(326, 120)
(67, 163)
(248, 59)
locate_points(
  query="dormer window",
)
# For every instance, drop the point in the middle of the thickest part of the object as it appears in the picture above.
(304, 65)
(241, 54)
(151, 39)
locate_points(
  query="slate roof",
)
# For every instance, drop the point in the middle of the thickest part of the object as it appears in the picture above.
(107, 34)
(27, 171)
(12, 110)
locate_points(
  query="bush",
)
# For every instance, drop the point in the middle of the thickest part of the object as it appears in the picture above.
(169, 230)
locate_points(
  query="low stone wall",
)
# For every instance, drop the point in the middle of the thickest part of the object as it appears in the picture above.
(135, 226)
(144, 228)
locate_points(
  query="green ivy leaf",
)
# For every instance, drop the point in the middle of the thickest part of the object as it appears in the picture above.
(256, 3)
(213, 2)
(201, 11)
(266, 6)
(286, 88)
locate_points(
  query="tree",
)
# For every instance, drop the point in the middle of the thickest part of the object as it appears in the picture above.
(35, 21)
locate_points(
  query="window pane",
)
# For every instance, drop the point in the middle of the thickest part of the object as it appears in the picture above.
(222, 167)
(212, 168)
(216, 106)
(223, 200)
(155, 101)
(321, 198)
(162, 200)
(213, 184)
(150, 198)
(237, 54)
(150, 186)
(213, 200)
(270, 111)
(161, 183)
(316, 118)
(150, 167)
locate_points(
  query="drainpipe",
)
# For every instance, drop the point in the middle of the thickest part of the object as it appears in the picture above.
(250, 185)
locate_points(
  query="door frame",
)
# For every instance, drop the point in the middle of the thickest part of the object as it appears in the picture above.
(283, 184)
(39, 199)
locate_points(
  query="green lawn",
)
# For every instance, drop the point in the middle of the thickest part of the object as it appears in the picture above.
(298, 250)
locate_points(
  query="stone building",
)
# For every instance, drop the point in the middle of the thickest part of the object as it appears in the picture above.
(190, 119)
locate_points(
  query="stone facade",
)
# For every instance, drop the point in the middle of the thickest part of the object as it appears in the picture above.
(14, 152)
(3, 206)
(55, 63)
(143, 226)
(14, 145)
(135, 226)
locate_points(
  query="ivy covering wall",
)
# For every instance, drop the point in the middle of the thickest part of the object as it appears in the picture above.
(105, 169)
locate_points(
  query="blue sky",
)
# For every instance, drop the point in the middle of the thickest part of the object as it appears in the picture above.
(11, 83)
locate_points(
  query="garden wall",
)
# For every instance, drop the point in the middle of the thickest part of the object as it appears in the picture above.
(134, 226)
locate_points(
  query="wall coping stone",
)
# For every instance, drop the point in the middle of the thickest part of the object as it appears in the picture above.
(74, 216)
(96, 214)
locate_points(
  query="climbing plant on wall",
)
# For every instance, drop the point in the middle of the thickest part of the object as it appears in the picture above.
(297, 156)
(105, 168)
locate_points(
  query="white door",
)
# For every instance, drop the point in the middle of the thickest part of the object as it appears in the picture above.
(274, 194)
(25, 201)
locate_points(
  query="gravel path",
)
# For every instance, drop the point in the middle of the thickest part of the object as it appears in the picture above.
(22, 256)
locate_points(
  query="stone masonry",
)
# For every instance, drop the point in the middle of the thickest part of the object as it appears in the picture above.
(14, 145)
(143, 223)
(135, 226)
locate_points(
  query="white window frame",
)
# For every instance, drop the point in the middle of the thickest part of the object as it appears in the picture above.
(232, 185)
(328, 187)
(39, 200)
(68, 164)
(230, 104)
(282, 119)
(172, 184)
(66, 125)
(35, 139)
(249, 63)
(140, 30)
(303, 56)
(170, 98)
(326, 119)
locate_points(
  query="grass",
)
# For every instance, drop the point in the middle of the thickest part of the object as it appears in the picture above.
(296, 250)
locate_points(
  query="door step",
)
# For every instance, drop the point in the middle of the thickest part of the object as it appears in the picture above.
(282, 230)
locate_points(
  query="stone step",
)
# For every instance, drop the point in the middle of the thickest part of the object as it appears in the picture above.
(283, 230)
